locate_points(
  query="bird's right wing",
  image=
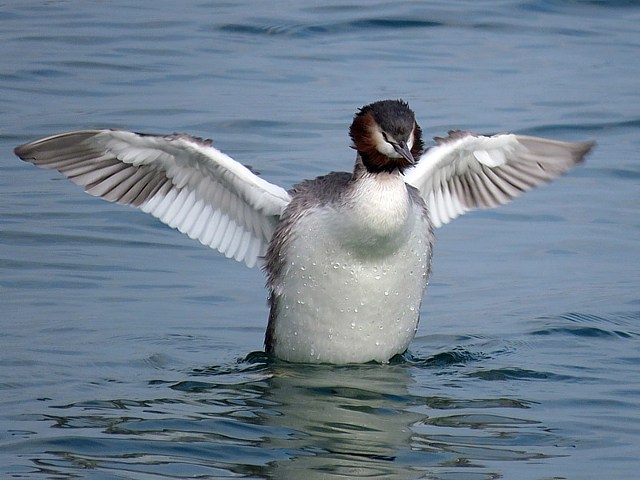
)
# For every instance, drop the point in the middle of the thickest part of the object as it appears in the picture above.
(182, 180)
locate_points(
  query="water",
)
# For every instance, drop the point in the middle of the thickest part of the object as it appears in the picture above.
(128, 351)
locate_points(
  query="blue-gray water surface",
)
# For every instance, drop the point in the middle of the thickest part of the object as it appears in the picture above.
(128, 351)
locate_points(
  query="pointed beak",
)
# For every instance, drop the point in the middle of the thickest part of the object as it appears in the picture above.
(403, 150)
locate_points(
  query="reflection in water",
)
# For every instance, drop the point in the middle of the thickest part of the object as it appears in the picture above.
(274, 420)
(350, 421)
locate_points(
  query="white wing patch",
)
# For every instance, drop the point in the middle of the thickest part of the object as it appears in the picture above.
(182, 180)
(465, 171)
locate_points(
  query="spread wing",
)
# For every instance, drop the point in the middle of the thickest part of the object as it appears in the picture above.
(182, 180)
(465, 171)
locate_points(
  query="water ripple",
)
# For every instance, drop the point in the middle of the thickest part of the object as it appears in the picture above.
(587, 325)
(306, 30)
(514, 373)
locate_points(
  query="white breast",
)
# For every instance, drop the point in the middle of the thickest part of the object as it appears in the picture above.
(354, 277)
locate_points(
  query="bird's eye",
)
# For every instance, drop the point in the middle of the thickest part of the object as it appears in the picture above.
(387, 139)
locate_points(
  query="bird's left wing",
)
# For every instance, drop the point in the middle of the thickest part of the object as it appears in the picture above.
(182, 180)
(465, 171)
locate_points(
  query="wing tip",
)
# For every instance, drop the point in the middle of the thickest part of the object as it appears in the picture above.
(29, 151)
(23, 151)
(582, 149)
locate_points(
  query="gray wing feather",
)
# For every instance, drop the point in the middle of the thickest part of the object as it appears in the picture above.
(181, 180)
(465, 171)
